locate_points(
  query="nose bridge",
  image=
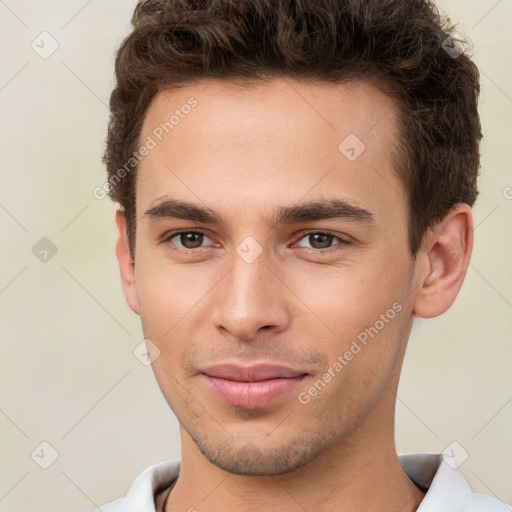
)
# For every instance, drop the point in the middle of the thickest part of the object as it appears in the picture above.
(249, 297)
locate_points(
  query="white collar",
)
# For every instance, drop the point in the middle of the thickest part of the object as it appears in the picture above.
(448, 490)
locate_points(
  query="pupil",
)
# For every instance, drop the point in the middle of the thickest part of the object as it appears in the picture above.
(189, 237)
(323, 244)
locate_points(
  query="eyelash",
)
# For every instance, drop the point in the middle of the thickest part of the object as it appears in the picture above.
(343, 241)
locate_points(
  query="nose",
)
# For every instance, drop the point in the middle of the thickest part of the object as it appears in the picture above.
(251, 299)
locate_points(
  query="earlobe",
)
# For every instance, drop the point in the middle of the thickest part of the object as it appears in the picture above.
(126, 267)
(446, 254)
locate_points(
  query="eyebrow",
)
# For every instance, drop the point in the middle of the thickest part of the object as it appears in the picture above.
(311, 211)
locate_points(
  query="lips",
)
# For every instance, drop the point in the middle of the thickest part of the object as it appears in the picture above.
(251, 386)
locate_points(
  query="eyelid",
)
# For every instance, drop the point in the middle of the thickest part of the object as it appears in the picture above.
(167, 238)
(343, 240)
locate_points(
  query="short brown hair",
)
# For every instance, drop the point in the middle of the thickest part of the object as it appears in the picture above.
(398, 44)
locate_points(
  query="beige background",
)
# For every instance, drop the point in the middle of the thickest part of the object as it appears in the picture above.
(68, 375)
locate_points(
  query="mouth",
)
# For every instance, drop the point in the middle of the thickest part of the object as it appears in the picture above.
(251, 386)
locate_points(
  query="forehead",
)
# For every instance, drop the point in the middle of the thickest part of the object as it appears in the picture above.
(279, 140)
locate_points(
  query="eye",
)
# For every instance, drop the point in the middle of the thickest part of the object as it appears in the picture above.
(187, 240)
(322, 240)
(191, 241)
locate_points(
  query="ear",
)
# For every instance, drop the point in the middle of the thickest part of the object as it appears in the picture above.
(444, 260)
(125, 264)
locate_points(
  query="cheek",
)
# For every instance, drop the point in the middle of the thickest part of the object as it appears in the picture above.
(171, 303)
(168, 292)
(353, 296)
(361, 312)
(362, 354)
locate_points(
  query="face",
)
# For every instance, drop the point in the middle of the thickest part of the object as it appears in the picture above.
(272, 270)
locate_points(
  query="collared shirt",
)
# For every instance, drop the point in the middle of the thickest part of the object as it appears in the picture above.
(447, 491)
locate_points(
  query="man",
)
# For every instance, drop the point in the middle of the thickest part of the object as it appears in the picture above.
(295, 181)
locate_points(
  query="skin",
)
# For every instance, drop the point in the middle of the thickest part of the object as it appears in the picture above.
(242, 152)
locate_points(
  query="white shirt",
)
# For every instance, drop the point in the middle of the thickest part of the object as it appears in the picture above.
(448, 490)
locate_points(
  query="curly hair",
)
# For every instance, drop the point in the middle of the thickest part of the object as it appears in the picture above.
(399, 45)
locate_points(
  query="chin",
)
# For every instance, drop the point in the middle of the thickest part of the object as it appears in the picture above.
(249, 459)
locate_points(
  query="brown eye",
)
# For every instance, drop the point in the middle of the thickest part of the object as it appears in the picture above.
(320, 240)
(188, 240)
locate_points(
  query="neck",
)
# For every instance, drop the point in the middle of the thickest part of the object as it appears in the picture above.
(361, 472)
